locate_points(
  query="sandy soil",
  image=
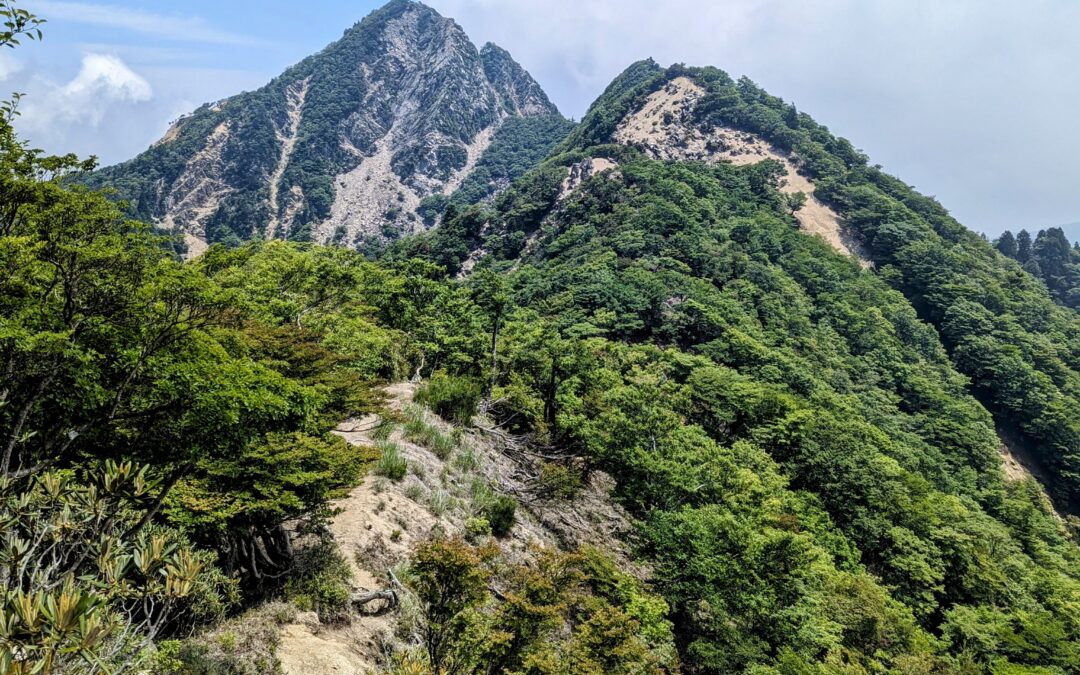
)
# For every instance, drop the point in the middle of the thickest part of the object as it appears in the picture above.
(664, 129)
(381, 521)
(195, 246)
(171, 134)
(306, 648)
(1019, 464)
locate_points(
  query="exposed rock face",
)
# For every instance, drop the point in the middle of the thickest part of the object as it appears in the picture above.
(579, 172)
(295, 97)
(340, 148)
(518, 93)
(200, 189)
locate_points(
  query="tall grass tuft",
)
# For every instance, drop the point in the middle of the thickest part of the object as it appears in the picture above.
(391, 464)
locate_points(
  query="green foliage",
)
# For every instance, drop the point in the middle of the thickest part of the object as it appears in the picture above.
(281, 478)
(453, 398)
(1050, 258)
(807, 448)
(815, 482)
(87, 583)
(519, 145)
(1000, 326)
(500, 513)
(560, 482)
(477, 529)
(420, 431)
(449, 580)
(125, 353)
(391, 464)
(319, 581)
(115, 354)
(563, 613)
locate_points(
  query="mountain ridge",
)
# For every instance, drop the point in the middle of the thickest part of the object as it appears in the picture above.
(341, 147)
(690, 387)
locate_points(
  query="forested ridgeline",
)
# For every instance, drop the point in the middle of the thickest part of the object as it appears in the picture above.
(814, 482)
(1000, 327)
(808, 448)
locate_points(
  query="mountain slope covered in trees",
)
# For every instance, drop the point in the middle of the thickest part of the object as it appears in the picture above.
(789, 370)
(808, 444)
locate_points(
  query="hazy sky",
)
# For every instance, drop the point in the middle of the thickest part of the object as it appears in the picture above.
(973, 101)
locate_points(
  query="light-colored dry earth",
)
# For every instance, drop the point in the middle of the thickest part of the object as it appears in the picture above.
(171, 134)
(307, 648)
(364, 196)
(1019, 464)
(1017, 460)
(196, 246)
(381, 521)
(664, 128)
(295, 95)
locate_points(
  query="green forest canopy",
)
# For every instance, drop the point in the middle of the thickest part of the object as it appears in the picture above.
(808, 448)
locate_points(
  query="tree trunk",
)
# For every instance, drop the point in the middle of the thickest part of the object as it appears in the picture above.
(494, 357)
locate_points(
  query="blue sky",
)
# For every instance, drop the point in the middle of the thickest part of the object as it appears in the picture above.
(973, 101)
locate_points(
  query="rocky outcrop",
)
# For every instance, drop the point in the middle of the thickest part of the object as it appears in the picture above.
(518, 93)
(200, 189)
(287, 134)
(579, 172)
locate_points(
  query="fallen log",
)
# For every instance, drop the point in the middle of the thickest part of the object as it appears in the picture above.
(389, 596)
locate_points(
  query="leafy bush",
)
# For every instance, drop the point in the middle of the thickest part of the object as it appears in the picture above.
(500, 512)
(319, 581)
(85, 548)
(548, 619)
(477, 529)
(452, 397)
(560, 482)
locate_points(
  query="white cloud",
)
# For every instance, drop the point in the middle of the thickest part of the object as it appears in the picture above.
(9, 65)
(170, 26)
(102, 82)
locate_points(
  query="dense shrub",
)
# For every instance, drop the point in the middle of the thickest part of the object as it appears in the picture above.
(319, 581)
(500, 513)
(453, 398)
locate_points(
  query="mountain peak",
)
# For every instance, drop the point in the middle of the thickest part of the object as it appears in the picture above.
(519, 92)
(343, 146)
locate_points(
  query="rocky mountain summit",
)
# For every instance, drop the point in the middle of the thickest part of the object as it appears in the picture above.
(342, 147)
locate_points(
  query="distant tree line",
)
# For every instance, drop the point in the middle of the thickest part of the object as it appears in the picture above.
(1049, 257)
